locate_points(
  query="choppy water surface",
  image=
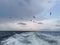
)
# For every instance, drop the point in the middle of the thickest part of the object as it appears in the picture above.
(29, 38)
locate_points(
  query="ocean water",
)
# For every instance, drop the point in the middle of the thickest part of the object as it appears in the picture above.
(29, 37)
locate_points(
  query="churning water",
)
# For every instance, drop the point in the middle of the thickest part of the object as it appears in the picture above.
(31, 38)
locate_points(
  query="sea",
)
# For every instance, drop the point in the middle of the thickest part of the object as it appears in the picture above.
(29, 37)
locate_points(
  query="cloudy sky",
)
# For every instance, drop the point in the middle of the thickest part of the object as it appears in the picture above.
(30, 15)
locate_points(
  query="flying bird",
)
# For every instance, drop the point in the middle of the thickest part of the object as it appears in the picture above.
(50, 13)
(10, 17)
(21, 17)
(31, 20)
(34, 17)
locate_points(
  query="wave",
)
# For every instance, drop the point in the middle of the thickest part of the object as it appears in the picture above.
(31, 38)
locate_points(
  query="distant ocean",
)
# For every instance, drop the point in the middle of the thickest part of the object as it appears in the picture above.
(4, 33)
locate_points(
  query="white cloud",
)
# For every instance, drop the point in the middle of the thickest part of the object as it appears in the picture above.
(49, 24)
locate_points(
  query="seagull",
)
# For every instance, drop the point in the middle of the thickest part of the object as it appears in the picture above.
(34, 17)
(10, 17)
(50, 13)
(21, 17)
(31, 20)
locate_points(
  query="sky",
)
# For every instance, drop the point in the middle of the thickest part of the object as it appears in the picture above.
(30, 15)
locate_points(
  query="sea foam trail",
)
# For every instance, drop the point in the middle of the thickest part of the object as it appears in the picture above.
(31, 38)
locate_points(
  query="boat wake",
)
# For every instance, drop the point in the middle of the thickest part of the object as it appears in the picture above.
(31, 38)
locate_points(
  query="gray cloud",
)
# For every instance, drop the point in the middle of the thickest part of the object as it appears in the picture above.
(18, 9)
(40, 23)
(57, 25)
(21, 23)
